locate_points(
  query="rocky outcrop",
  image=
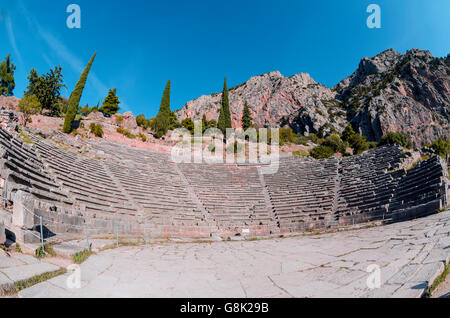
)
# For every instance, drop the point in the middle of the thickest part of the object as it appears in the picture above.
(125, 120)
(275, 100)
(9, 103)
(395, 92)
(390, 92)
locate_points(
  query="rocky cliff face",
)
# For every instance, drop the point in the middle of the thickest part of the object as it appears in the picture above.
(390, 92)
(395, 92)
(274, 99)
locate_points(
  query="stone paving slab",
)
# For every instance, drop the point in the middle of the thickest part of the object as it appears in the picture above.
(20, 273)
(409, 256)
(20, 267)
(66, 249)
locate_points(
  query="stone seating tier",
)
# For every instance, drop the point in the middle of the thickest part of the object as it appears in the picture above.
(143, 189)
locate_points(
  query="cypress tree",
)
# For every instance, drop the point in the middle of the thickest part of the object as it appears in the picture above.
(75, 97)
(225, 115)
(162, 120)
(204, 123)
(246, 117)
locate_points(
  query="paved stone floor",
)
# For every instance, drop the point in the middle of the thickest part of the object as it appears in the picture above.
(20, 268)
(410, 255)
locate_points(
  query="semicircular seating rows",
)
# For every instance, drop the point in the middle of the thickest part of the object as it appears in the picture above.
(144, 192)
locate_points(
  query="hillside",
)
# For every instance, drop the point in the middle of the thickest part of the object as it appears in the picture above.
(395, 92)
(390, 92)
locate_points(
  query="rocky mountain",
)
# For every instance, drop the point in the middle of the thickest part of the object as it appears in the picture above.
(390, 92)
(273, 99)
(399, 92)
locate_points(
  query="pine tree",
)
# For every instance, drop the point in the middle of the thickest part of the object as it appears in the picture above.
(7, 83)
(224, 116)
(162, 120)
(33, 85)
(75, 97)
(246, 117)
(110, 104)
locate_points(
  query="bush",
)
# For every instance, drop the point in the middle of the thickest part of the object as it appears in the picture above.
(141, 121)
(188, 123)
(96, 129)
(398, 138)
(80, 257)
(48, 249)
(322, 152)
(335, 143)
(441, 147)
(359, 144)
(143, 137)
(302, 140)
(287, 136)
(126, 133)
(356, 141)
(300, 154)
(29, 105)
(18, 249)
(313, 137)
(119, 120)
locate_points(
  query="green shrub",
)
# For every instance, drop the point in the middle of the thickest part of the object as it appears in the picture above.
(441, 147)
(140, 120)
(302, 140)
(29, 105)
(398, 138)
(17, 248)
(359, 144)
(287, 136)
(313, 137)
(80, 257)
(335, 143)
(48, 249)
(356, 141)
(126, 133)
(143, 137)
(119, 120)
(96, 129)
(300, 154)
(188, 123)
(322, 152)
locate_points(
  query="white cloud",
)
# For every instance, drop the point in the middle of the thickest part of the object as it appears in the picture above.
(12, 39)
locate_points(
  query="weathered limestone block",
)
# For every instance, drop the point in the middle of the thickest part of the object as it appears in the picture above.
(2, 233)
(26, 236)
(23, 205)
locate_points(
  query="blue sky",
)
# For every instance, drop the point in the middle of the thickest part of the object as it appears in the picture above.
(195, 43)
